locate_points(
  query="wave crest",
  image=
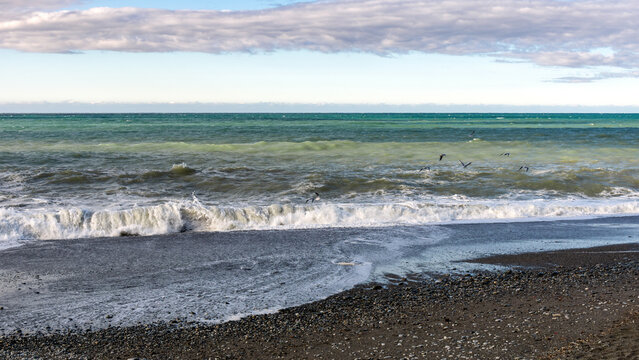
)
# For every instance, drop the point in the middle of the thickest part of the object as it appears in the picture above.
(182, 169)
(19, 225)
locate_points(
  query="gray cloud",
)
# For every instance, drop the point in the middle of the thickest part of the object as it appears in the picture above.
(545, 32)
(22, 6)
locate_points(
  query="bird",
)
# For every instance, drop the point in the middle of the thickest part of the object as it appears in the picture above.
(504, 154)
(312, 199)
(465, 165)
(425, 168)
(472, 133)
(523, 167)
(441, 156)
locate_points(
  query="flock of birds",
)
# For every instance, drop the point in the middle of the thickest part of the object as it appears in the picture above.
(524, 167)
(465, 165)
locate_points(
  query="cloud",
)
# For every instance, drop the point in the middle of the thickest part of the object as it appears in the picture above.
(596, 77)
(22, 6)
(545, 32)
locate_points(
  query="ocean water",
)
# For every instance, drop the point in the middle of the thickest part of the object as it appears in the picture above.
(91, 175)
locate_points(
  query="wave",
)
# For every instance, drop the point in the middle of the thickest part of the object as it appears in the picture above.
(18, 225)
(488, 150)
(182, 169)
(197, 147)
(272, 183)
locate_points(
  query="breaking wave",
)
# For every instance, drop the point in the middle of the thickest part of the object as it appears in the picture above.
(182, 169)
(19, 225)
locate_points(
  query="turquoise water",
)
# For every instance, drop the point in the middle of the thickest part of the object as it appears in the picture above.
(65, 176)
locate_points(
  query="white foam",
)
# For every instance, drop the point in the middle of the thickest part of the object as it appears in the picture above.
(69, 223)
(236, 317)
(19, 225)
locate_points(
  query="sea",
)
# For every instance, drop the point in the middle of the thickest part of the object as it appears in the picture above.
(279, 209)
(91, 175)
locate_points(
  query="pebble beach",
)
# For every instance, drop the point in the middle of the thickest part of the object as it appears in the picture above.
(568, 304)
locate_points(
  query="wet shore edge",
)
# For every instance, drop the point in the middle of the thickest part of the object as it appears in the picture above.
(577, 303)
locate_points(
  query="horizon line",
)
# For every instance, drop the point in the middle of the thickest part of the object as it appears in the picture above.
(270, 107)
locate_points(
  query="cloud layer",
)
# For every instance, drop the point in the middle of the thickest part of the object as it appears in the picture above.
(545, 32)
(21, 6)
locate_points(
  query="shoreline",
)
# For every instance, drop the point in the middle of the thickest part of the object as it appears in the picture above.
(549, 305)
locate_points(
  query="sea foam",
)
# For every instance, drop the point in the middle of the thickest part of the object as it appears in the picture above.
(18, 225)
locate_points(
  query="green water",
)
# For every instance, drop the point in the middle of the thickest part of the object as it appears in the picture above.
(117, 162)
(241, 156)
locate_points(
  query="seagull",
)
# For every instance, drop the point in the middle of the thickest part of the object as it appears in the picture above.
(465, 165)
(313, 198)
(441, 156)
(504, 154)
(471, 134)
(425, 168)
(523, 167)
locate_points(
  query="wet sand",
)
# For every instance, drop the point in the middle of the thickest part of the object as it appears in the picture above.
(555, 305)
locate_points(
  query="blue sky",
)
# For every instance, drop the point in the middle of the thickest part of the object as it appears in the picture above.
(356, 53)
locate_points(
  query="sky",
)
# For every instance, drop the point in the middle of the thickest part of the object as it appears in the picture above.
(344, 55)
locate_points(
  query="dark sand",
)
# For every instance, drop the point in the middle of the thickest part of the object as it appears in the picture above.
(555, 305)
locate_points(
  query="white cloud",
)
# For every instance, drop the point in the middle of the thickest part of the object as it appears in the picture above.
(546, 32)
(600, 76)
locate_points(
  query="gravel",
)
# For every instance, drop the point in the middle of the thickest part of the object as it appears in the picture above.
(570, 304)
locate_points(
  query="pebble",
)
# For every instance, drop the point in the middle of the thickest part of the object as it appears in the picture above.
(471, 316)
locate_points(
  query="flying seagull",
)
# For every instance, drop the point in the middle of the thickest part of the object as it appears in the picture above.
(504, 154)
(472, 133)
(441, 156)
(523, 167)
(425, 168)
(312, 199)
(465, 165)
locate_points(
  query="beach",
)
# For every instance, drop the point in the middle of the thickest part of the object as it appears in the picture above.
(319, 179)
(579, 303)
(317, 235)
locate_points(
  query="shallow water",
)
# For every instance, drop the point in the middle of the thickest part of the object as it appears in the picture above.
(213, 277)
